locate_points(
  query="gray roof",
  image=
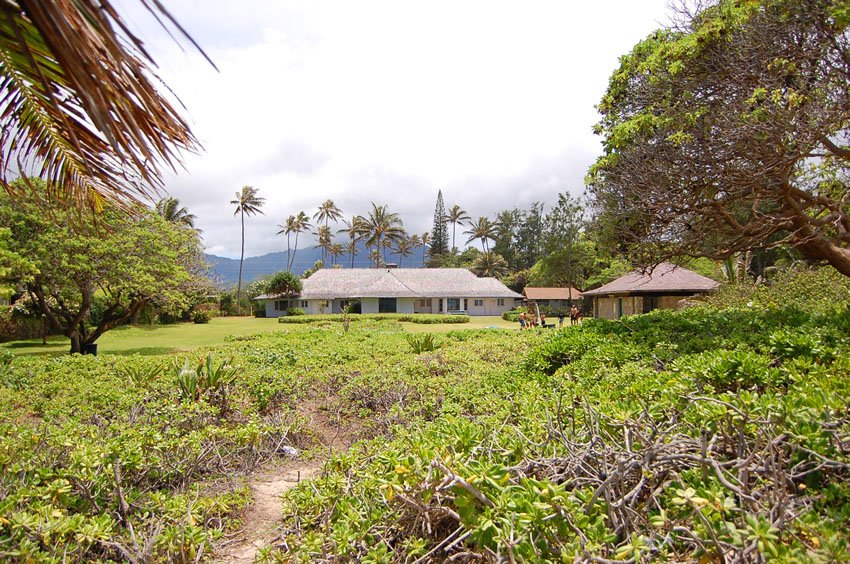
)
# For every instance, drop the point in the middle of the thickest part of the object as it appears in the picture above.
(665, 277)
(341, 283)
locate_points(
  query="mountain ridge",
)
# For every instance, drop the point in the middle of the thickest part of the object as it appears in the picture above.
(225, 271)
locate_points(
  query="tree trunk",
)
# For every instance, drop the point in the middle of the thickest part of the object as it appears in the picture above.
(75, 342)
(241, 258)
(815, 246)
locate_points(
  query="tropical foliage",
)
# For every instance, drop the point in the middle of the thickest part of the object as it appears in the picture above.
(91, 274)
(728, 132)
(80, 106)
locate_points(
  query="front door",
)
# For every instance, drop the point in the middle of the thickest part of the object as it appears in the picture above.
(453, 304)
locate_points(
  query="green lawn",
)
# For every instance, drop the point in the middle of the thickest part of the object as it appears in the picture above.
(181, 337)
(156, 339)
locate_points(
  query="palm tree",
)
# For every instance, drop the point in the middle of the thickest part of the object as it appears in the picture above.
(336, 250)
(381, 225)
(81, 108)
(375, 256)
(355, 231)
(426, 245)
(415, 242)
(490, 264)
(484, 230)
(171, 210)
(246, 202)
(294, 224)
(327, 211)
(287, 227)
(404, 248)
(456, 215)
(323, 234)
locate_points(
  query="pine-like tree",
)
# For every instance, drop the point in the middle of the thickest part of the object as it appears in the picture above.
(440, 232)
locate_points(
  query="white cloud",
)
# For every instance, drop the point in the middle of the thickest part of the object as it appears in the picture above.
(387, 101)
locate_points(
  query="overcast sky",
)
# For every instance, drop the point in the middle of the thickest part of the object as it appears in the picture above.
(388, 101)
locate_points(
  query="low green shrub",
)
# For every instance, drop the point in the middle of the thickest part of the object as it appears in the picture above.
(294, 311)
(201, 316)
(419, 318)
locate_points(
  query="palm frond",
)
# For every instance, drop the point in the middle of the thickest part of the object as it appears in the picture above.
(78, 105)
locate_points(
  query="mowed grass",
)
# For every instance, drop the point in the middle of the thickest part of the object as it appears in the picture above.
(156, 339)
(183, 337)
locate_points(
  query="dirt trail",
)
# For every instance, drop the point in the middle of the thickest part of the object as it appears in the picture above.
(261, 518)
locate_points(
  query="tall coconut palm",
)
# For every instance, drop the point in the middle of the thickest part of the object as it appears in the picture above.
(456, 215)
(287, 228)
(323, 234)
(484, 230)
(382, 225)
(336, 250)
(426, 245)
(328, 211)
(294, 224)
(354, 229)
(246, 202)
(80, 105)
(404, 248)
(415, 243)
(171, 210)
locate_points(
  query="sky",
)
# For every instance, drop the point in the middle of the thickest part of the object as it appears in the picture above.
(386, 101)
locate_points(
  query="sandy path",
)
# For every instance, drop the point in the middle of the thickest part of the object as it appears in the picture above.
(260, 520)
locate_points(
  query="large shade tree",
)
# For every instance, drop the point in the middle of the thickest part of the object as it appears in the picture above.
(93, 274)
(729, 131)
(247, 202)
(79, 105)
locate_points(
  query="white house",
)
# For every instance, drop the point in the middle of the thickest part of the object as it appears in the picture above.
(393, 290)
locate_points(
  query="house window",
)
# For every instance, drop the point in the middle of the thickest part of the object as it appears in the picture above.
(304, 304)
(281, 305)
(386, 305)
(453, 304)
(478, 303)
(500, 301)
(323, 304)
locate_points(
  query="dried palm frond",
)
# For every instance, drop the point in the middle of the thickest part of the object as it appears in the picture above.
(78, 105)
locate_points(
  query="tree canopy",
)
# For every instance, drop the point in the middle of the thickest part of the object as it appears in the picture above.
(112, 264)
(729, 132)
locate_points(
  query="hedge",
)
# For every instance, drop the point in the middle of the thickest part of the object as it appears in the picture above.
(421, 318)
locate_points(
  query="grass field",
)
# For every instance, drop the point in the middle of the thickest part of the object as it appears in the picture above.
(182, 337)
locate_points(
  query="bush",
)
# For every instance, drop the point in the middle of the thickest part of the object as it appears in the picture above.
(201, 316)
(512, 315)
(419, 318)
(294, 311)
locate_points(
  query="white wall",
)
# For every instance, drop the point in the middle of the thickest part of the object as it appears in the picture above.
(369, 305)
(404, 305)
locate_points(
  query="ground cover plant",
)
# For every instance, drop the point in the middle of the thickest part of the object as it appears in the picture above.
(138, 458)
(697, 435)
